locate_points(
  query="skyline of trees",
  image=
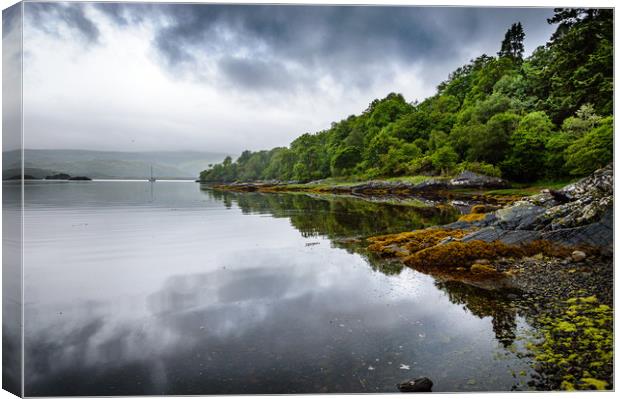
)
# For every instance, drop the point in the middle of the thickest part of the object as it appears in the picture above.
(547, 116)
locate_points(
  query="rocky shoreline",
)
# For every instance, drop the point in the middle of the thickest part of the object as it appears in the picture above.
(551, 255)
(432, 186)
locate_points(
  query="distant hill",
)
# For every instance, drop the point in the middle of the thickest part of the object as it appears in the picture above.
(110, 164)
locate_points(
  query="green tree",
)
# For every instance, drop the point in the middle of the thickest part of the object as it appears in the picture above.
(512, 45)
(444, 159)
(592, 151)
(526, 160)
(490, 143)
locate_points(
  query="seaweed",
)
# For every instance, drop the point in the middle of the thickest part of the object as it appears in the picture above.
(575, 347)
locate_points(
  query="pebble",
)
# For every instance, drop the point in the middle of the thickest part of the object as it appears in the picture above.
(578, 256)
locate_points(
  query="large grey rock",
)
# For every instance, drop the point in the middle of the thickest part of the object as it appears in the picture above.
(490, 234)
(599, 234)
(521, 216)
(579, 214)
(471, 179)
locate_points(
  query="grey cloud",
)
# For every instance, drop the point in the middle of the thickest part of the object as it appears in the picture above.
(48, 16)
(348, 43)
(256, 74)
(10, 19)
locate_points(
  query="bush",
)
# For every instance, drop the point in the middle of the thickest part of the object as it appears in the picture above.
(480, 167)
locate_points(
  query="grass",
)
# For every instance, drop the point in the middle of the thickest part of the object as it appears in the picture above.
(407, 179)
(520, 189)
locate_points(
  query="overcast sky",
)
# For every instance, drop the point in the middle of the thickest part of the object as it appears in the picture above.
(226, 78)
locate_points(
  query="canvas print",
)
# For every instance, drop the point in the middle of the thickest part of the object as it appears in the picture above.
(205, 199)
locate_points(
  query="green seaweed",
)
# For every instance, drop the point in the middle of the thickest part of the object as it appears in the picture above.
(575, 350)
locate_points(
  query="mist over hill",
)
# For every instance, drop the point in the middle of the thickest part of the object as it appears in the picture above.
(110, 164)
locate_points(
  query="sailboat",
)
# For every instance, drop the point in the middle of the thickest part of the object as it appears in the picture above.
(152, 179)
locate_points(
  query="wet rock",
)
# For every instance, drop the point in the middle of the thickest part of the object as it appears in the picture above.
(490, 234)
(471, 179)
(578, 256)
(520, 216)
(422, 384)
(580, 213)
(598, 234)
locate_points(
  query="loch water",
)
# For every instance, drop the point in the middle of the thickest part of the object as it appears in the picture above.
(172, 288)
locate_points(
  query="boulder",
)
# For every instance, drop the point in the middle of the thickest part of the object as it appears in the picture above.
(579, 214)
(422, 384)
(471, 179)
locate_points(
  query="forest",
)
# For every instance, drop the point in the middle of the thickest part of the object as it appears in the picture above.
(548, 116)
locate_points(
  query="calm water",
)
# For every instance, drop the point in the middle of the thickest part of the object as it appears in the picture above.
(165, 288)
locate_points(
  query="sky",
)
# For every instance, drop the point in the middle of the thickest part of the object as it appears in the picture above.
(224, 78)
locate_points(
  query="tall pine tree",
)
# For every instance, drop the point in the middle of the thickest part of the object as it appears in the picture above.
(512, 45)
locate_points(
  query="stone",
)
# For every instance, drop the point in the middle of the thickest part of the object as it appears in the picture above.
(478, 268)
(422, 384)
(578, 256)
(471, 179)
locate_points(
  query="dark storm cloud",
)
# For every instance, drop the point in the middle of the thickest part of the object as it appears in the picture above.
(256, 74)
(51, 16)
(10, 18)
(255, 47)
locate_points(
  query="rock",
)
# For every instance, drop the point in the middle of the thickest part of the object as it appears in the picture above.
(478, 268)
(59, 176)
(482, 261)
(421, 384)
(519, 216)
(578, 256)
(580, 213)
(511, 237)
(79, 178)
(471, 179)
(599, 234)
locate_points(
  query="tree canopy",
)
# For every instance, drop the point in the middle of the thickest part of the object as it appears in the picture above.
(549, 115)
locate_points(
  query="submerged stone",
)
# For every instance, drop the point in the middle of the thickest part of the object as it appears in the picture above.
(422, 384)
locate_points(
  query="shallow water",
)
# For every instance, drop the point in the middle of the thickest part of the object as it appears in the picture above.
(167, 288)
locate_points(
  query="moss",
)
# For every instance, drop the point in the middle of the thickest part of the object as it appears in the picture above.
(480, 209)
(567, 386)
(575, 348)
(478, 268)
(457, 253)
(404, 244)
(594, 383)
(472, 217)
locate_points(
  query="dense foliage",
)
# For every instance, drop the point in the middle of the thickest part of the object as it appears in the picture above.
(546, 116)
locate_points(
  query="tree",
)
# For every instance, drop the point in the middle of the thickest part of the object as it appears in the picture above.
(444, 159)
(526, 161)
(576, 66)
(490, 143)
(512, 45)
(585, 119)
(592, 151)
(345, 160)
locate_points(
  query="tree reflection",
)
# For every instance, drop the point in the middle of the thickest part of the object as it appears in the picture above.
(336, 217)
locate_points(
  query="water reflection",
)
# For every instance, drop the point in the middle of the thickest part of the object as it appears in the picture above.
(242, 293)
(338, 216)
